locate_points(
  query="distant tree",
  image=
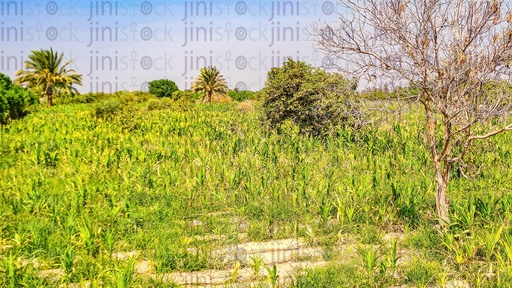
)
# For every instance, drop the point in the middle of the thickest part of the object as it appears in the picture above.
(317, 101)
(448, 51)
(162, 88)
(210, 82)
(14, 100)
(45, 71)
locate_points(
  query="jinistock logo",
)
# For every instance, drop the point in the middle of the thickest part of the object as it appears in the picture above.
(114, 61)
(272, 33)
(102, 9)
(270, 9)
(99, 33)
(20, 32)
(259, 62)
(97, 85)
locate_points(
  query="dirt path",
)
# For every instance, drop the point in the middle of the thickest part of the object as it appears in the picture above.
(288, 255)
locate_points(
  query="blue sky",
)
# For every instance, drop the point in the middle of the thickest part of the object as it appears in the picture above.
(122, 45)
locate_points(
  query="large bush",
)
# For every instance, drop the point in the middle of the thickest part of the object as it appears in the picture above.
(162, 88)
(108, 108)
(316, 101)
(14, 100)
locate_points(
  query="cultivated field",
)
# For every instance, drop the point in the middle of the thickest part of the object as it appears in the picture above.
(152, 198)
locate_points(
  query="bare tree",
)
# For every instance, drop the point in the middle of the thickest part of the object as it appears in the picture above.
(451, 51)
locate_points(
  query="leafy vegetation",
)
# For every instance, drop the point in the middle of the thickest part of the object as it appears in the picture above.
(158, 182)
(156, 185)
(243, 95)
(163, 88)
(316, 101)
(15, 101)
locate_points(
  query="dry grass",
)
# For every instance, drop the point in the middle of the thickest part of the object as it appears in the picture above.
(246, 106)
(221, 99)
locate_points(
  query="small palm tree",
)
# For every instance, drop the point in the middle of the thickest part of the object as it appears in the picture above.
(45, 72)
(210, 82)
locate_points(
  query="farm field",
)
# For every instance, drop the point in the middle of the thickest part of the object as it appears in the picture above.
(140, 198)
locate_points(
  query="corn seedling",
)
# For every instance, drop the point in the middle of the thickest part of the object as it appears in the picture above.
(489, 241)
(125, 275)
(235, 273)
(67, 260)
(370, 260)
(257, 263)
(272, 275)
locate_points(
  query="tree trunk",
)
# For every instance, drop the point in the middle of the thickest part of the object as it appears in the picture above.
(442, 180)
(442, 168)
(50, 100)
(49, 95)
(209, 98)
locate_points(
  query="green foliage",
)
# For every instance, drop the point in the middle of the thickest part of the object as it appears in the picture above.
(5, 82)
(240, 96)
(122, 95)
(139, 181)
(421, 273)
(317, 102)
(187, 95)
(341, 275)
(163, 88)
(89, 97)
(15, 102)
(108, 108)
(181, 104)
(157, 104)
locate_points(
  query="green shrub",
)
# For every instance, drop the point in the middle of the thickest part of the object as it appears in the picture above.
(123, 96)
(108, 108)
(15, 101)
(132, 97)
(163, 88)
(82, 98)
(422, 273)
(187, 95)
(240, 96)
(181, 101)
(159, 104)
(5, 82)
(316, 101)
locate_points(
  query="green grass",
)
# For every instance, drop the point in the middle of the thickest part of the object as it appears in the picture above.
(74, 189)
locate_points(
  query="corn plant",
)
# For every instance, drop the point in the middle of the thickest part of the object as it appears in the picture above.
(124, 275)
(489, 241)
(272, 275)
(257, 263)
(370, 260)
(67, 261)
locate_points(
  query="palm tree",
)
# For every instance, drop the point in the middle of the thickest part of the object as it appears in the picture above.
(45, 72)
(210, 82)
